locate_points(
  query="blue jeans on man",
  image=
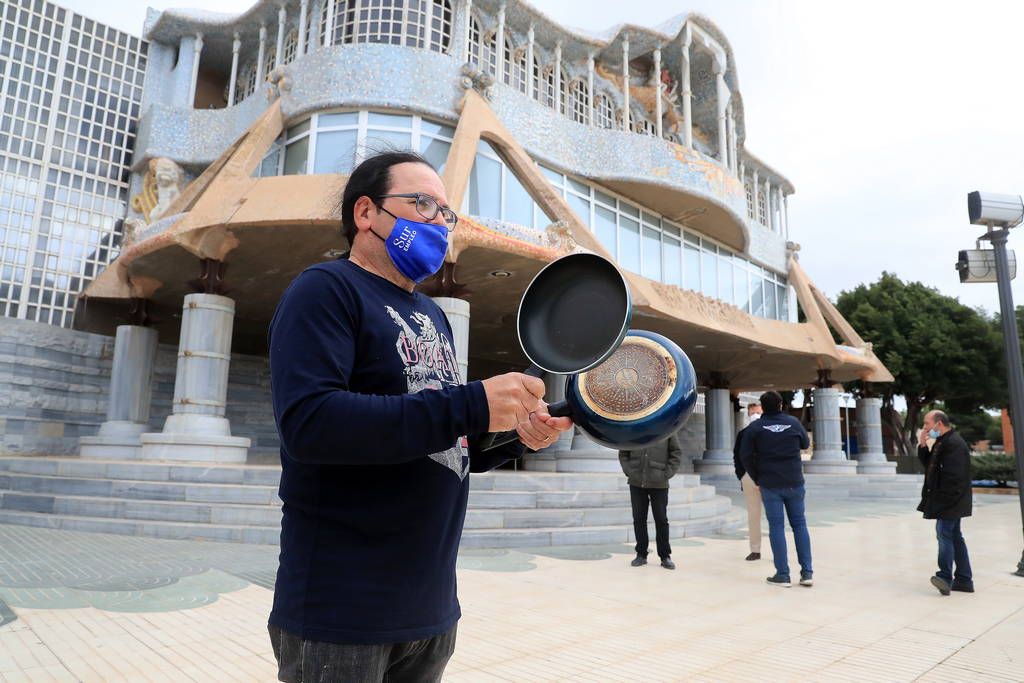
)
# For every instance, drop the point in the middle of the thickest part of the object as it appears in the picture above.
(779, 504)
(952, 549)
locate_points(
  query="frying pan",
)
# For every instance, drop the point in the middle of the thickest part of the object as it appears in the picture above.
(572, 316)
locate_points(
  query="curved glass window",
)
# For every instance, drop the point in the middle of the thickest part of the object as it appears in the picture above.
(605, 112)
(412, 23)
(483, 49)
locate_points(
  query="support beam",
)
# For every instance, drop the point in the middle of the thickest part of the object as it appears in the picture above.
(870, 456)
(260, 54)
(499, 46)
(625, 83)
(329, 28)
(828, 456)
(719, 429)
(197, 51)
(558, 76)
(467, 30)
(531, 84)
(300, 48)
(282, 18)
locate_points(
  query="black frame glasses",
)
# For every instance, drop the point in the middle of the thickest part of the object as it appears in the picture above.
(428, 207)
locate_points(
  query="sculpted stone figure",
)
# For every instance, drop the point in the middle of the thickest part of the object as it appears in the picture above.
(170, 180)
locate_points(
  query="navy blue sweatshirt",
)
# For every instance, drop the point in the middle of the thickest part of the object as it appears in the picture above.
(374, 421)
(770, 451)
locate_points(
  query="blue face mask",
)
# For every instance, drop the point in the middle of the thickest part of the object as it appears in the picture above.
(934, 433)
(417, 249)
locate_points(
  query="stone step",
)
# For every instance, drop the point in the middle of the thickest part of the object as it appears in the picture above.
(574, 499)
(155, 510)
(140, 490)
(478, 518)
(594, 535)
(258, 475)
(175, 530)
(551, 481)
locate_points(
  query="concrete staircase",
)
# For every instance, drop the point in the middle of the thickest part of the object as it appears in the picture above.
(239, 503)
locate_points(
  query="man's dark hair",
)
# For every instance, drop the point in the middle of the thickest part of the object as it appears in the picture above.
(771, 402)
(372, 178)
(941, 418)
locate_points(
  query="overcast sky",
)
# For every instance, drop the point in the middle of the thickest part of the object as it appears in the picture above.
(884, 115)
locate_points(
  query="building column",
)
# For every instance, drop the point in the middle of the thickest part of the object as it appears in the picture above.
(625, 83)
(300, 49)
(768, 204)
(282, 19)
(329, 28)
(590, 89)
(457, 311)
(870, 456)
(466, 27)
(197, 51)
(260, 54)
(131, 388)
(236, 45)
(722, 97)
(785, 215)
(197, 428)
(657, 91)
(733, 143)
(558, 76)
(719, 434)
(828, 456)
(687, 89)
(757, 191)
(531, 85)
(499, 46)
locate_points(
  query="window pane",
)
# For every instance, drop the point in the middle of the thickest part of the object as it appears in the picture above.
(435, 151)
(295, 156)
(725, 278)
(335, 152)
(652, 254)
(604, 198)
(554, 176)
(349, 118)
(741, 289)
(756, 295)
(298, 130)
(436, 129)
(673, 256)
(387, 141)
(629, 210)
(692, 266)
(518, 203)
(709, 281)
(581, 206)
(485, 188)
(268, 167)
(604, 227)
(783, 302)
(578, 187)
(770, 309)
(629, 244)
(389, 120)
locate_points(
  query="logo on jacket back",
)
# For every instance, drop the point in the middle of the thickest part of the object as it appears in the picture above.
(777, 429)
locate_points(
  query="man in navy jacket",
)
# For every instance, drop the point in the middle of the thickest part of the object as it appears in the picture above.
(378, 436)
(770, 453)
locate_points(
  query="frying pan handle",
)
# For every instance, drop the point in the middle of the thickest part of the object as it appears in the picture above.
(533, 371)
(495, 439)
(560, 409)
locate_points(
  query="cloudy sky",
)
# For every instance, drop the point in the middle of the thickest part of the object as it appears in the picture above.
(884, 115)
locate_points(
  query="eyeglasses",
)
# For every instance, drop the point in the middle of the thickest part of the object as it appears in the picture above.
(428, 207)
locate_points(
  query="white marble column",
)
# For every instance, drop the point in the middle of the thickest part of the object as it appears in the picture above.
(828, 456)
(282, 20)
(590, 89)
(499, 46)
(468, 25)
(558, 76)
(197, 51)
(722, 101)
(757, 193)
(870, 456)
(625, 83)
(236, 45)
(720, 435)
(687, 90)
(657, 91)
(531, 85)
(785, 215)
(329, 28)
(261, 52)
(197, 428)
(457, 311)
(131, 388)
(767, 189)
(300, 48)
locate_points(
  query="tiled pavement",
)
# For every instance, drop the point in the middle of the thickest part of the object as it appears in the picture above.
(88, 607)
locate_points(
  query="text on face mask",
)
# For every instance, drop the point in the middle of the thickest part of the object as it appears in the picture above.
(404, 240)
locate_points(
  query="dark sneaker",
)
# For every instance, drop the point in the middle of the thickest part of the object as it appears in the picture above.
(962, 586)
(779, 580)
(753, 556)
(941, 584)
(806, 579)
(638, 561)
(667, 563)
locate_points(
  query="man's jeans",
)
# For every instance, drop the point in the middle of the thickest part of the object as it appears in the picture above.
(792, 500)
(952, 548)
(309, 661)
(659, 506)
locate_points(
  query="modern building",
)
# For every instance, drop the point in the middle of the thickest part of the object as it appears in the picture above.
(631, 144)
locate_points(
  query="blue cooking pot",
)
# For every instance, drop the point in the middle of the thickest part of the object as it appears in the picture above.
(642, 394)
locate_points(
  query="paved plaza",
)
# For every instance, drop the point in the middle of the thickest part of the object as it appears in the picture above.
(92, 607)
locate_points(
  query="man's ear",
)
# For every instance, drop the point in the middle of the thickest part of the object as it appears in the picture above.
(363, 212)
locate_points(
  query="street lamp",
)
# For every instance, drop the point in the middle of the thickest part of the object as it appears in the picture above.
(999, 213)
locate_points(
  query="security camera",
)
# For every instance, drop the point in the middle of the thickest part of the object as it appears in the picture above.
(989, 208)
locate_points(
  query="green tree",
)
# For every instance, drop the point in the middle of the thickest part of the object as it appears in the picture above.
(973, 426)
(936, 348)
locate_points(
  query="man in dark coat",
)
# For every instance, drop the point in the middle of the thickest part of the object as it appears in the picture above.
(648, 471)
(946, 498)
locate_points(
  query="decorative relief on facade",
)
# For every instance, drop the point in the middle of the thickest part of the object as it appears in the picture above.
(160, 187)
(686, 302)
(475, 79)
(558, 236)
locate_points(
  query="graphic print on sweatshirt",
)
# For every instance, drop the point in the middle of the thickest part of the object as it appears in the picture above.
(430, 363)
(777, 429)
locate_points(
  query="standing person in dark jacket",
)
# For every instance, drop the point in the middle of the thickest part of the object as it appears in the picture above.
(648, 471)
(378, 437)
(946, 498)
(770, 452)
(751, 493)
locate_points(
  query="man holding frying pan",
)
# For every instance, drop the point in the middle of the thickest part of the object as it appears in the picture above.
(378, 436)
